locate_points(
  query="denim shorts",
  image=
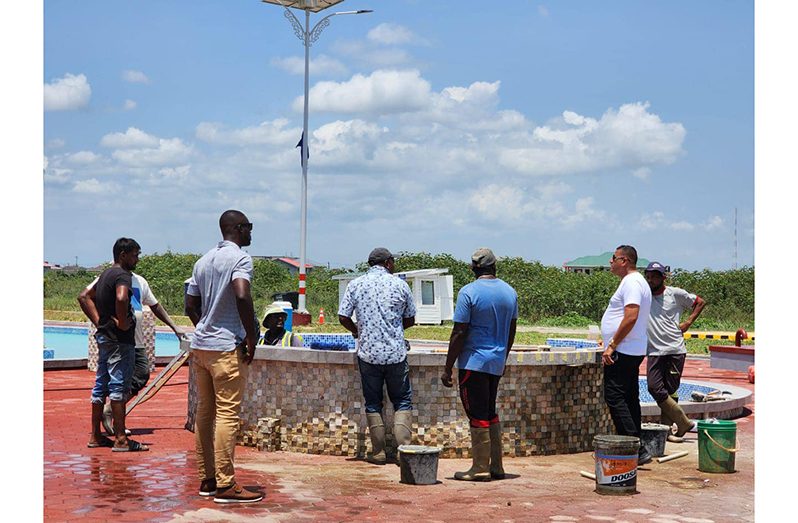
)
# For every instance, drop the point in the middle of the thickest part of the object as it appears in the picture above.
(115, 366)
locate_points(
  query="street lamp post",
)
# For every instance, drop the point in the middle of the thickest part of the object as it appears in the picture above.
(308, 37)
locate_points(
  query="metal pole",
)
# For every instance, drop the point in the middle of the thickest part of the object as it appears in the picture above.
(735, 238)
(304, 207)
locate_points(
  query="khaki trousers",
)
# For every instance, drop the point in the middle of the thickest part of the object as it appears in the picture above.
(221, 378)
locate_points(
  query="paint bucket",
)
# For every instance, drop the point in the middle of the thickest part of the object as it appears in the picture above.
(716, 446)
(616, 464)
(653, 437)
(418, 464)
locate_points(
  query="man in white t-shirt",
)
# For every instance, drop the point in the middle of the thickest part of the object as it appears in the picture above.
(623, 329)
(666, 349)
(142, 296)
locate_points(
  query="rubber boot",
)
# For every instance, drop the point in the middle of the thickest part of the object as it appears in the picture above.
(496, 467)
(675, 412)
(402, 421)
(377, 433)
(480, 451)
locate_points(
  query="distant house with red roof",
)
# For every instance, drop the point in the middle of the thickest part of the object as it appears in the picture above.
(51, 266)
(292, 264)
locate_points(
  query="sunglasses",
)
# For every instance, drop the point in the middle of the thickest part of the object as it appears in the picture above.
(244, 226)
(619, 258)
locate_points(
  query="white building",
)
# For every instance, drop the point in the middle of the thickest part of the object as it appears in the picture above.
(433, 293)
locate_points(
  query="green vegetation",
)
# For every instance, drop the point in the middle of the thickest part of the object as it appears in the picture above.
(548, 296)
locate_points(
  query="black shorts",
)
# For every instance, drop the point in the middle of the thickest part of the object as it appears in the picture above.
(478, 393)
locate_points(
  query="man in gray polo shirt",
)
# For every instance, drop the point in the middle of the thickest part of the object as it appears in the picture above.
(666, 351)
(219, 303)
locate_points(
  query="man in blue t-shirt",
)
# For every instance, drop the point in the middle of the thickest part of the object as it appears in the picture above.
(482, 336)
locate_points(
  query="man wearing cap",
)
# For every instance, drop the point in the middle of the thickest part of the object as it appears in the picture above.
(383, 305)
(482, 336)
(623, 331)
(666, 350)
(274, 321)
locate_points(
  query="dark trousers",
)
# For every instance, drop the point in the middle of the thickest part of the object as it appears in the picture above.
(622, 394)
(478, 392)
(141, 371)
(395, 377)
(664, 375)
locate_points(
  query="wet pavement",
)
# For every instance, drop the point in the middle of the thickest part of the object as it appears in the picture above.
(82, 484)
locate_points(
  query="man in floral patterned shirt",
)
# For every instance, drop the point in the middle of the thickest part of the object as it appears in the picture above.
(383, 306)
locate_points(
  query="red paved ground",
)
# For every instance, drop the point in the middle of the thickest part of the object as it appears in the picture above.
(82, 484)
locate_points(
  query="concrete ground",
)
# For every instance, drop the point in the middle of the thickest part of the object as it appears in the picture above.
(82, 484)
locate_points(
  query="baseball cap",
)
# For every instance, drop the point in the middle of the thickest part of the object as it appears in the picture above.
(379, 255)
(657, 266)
(483, 257)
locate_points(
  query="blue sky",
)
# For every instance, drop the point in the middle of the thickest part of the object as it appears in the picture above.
(551, 131)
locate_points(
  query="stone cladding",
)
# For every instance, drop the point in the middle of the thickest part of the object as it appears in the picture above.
(549, 403)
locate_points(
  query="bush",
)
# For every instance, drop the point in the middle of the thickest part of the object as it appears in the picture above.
(546, 294)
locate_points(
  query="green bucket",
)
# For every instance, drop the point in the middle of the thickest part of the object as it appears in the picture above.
(716, 446)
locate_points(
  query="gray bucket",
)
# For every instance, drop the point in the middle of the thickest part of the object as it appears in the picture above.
(653, 437)
(616, 464)
(418, 464)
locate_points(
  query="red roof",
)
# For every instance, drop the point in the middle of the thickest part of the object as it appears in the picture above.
(294, 262)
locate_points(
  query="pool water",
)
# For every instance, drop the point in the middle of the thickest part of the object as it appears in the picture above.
(685, 391)
(68, 343)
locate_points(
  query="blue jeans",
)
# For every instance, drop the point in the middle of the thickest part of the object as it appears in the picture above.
(395, 376)
(115, 366)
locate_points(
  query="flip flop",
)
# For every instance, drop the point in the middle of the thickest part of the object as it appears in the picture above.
(104, 442)
(132, 446)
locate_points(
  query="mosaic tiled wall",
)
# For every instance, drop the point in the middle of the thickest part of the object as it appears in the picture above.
(148, 321)
(571, 342)
(318, 408)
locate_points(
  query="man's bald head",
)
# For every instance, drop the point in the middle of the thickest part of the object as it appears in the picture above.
(229, 219)
(235, 227)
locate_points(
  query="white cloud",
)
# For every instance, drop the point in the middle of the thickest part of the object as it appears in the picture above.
(373, 57)
(713, 223)
(658, 221)
(58, 176)
(516, 206)
(177, 173)
(630, 136)
(129, 105)
(132, 138)
(682, 226)
(583, 211)
(83, 158)
(410, 151)
(543, 11)
(94, 186)
(341, 143)
(392, 34)
(55, 143)
(383, 91)
(135, 77)
(67, 93)
(168, 152)
(322, 65)
(643, 173)
(271, 132)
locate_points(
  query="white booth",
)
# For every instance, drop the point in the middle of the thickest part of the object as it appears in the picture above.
(433, 292)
